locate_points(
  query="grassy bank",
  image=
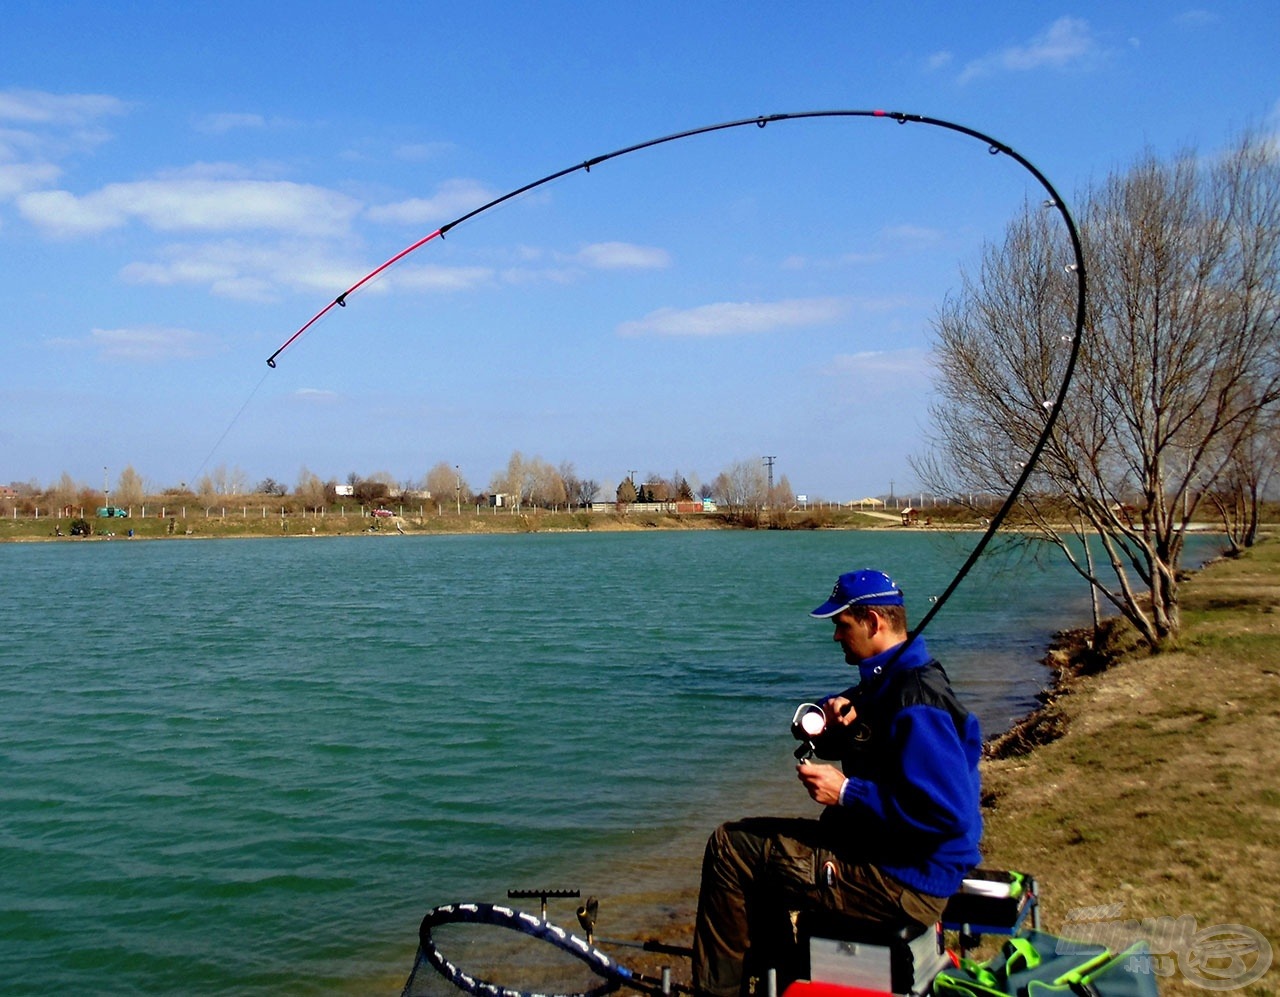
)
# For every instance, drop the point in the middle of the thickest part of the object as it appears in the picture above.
(1162, 797)
(261, 520)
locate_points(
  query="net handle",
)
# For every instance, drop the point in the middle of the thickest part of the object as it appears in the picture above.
(614, 974)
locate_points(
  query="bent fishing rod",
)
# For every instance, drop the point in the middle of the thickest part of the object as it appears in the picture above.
(1076, 267)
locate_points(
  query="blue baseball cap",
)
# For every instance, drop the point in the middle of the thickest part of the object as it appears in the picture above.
(860, 588)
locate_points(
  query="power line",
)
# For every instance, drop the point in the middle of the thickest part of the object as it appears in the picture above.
(768, 461)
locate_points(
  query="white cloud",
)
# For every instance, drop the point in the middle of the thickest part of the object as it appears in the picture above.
(623, 256)
(730, 318)
(193, 205)
(1066, 41)
(523, 276)
(451, 199)
(216, 170)
(420, 152)
(37, 129)
(258, 271)
(890, 241)
(17, 144)
(536, 265)
(897, 383)
(913, 236)
(34, 107)
(431, 277)
(18, 178)
(144, 343)
(874, 364)
(247, 271)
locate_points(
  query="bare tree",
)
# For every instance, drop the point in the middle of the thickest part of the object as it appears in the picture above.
(310, 490)
(511, 481)
(376, 489)
(1179, 367)
(743, 486)
(64, 493)
(270, 486)
(578, 491)
(784, 496)
(1237, 494)
(237, 480)
(585, 491)
(445, 483)
(529, 481)
(130, 489)
(569, 480)
(221, 481)
(545, 485)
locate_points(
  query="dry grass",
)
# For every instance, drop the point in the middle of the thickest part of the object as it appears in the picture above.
(1163, 795)
(261, 518)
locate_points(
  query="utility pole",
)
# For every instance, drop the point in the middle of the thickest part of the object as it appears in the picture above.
(457, 487)
(768, 462)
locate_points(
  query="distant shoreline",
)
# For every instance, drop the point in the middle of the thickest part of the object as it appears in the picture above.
(239, 526)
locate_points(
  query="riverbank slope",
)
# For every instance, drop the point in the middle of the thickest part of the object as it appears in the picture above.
(1161, 799)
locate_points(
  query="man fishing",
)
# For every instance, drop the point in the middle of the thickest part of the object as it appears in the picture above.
(901, 820)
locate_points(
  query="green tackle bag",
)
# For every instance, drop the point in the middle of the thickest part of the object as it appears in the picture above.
(1037, 964)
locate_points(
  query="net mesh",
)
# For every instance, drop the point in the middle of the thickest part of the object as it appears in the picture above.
(499, 958)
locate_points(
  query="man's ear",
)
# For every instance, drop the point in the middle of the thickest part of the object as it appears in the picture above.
(874, 620)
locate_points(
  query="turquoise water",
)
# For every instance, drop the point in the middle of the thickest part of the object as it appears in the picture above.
(249, 767)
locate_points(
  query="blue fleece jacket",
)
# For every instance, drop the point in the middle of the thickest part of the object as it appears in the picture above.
(918, 817)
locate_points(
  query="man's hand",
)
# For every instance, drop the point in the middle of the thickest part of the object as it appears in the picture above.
(823, 782)
(839, 710)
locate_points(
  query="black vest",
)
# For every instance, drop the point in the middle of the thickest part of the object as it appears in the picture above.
(863, 747)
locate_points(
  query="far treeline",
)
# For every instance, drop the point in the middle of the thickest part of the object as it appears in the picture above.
(1173, 414)
(525, 483)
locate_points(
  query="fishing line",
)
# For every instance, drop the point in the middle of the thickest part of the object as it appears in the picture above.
(230, 425)
(994, 146)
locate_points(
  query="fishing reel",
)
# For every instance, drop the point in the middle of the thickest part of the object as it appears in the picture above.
(808, 724)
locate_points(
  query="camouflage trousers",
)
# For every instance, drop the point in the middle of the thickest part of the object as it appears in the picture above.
(756, 869)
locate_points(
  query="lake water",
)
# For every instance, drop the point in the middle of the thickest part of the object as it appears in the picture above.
(249, 767)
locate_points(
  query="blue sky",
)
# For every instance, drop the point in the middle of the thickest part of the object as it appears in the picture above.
(183, 186)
